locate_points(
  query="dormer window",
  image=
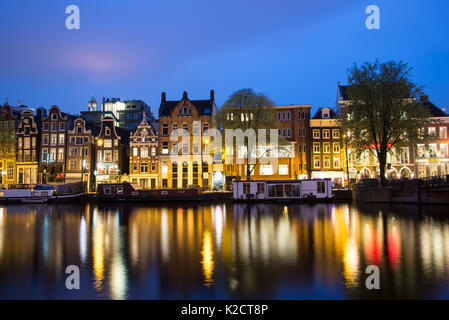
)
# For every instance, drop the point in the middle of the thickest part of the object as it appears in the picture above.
(54, 116)
(108, 131)
(325, 114)
(78, 129)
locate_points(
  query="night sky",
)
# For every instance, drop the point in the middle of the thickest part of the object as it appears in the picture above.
(294, 51)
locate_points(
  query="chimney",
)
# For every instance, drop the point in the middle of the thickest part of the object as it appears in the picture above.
(163, 97)
(184, 95)
(424, 98)
(212, 95)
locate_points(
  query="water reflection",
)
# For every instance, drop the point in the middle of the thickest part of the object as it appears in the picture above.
(223, 251)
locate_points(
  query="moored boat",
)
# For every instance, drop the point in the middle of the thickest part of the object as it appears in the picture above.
(131, 192)
(38, 194)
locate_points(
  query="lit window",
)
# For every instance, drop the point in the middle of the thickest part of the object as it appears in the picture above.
(107, 143)
(316, 133)
(326, 162)
(336, 133)
(443, 132)
(316, 162)
(266, 170)
(316, 147)
(336, 162)
(144, 152)
(283, 169)
(336, 147)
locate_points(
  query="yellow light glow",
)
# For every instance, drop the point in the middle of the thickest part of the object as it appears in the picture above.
(208, 258)
(98, 253)
(100, 142)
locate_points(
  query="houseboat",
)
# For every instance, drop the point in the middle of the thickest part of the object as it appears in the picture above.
(35, 194)
(266, 190)
(132, 192)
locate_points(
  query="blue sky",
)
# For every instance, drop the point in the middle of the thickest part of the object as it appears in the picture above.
(294, 51)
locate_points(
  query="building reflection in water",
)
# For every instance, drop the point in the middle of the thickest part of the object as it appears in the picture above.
(222, 251)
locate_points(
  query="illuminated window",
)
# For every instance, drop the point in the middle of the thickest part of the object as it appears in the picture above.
(326, 134)
(283, 169)
(443, 132)
(10, 171)
(60, 154)
(144, 152)
(317, 161)
(336, 162)
(316, 147)
(107, 156)
(336, 147)
(266, 170)
(135, 152)
(164, 168)
(326, 147)
(107, 143)
(165, 147)
(336, 133)
(326, 162)
(316, 133)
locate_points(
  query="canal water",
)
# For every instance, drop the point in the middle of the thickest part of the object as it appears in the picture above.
(223, 251)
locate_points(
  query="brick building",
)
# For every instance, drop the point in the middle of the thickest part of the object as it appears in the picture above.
(326, 147)
(143, 157)
(27, 148)
(182, 127)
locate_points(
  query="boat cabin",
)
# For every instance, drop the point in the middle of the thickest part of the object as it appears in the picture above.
(283, 189)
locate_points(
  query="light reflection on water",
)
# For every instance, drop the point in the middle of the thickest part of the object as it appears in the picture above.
(223, 251)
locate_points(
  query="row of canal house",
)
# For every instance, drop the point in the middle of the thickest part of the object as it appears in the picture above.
(56, 147)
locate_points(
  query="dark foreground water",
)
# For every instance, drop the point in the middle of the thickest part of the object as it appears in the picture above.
(223, 251)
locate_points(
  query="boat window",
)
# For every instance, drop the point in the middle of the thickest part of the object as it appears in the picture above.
(135, 193)
(164, 193)
(271, 191)
(107, 190)
(261, 188)
(119, 190)
(296, 190)
(279, 190)
(246, 188)
(288, 190)
(320, 186)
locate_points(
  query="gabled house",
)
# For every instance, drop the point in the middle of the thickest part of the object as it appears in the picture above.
(53, 146)
(8, 144)
(111, 151)
(143, 159)
(80, 152)
(27, 148)
(183, 127)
